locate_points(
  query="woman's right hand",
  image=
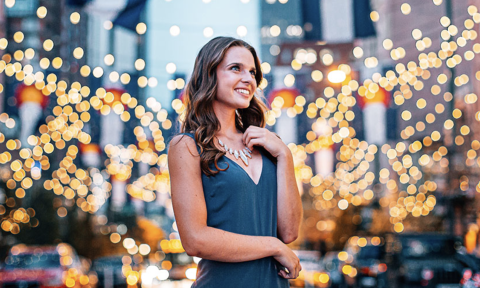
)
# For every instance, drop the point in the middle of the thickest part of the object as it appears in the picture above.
(289, 260)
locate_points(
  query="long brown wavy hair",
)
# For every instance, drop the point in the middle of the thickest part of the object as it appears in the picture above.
(200, 93)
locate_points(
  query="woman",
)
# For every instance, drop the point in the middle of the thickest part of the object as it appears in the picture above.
(230, 199)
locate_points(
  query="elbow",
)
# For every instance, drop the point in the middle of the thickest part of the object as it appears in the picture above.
(192, 247)
(289, 234)
(191, 251)
(290, 238)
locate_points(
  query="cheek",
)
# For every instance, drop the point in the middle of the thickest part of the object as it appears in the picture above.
(223, 88)
(227, 83)
(223, 80)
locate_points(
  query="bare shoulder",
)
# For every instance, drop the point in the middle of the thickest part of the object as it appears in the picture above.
(183, 158)
(183, 146)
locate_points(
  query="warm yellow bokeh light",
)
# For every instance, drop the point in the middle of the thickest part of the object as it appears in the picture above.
(406, 9)
(48, 45)
(139, 64)
(41, 12)
(18, 37)
(109, 59)
(141, 28)
(75, 17)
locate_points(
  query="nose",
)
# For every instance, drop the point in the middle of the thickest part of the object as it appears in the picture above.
(247, 77)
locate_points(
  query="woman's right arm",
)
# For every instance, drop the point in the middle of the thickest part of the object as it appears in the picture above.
(190, 210)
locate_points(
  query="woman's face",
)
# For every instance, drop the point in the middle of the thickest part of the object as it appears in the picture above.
(236, 78)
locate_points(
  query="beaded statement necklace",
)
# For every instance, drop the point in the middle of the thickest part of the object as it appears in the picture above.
(243, 154)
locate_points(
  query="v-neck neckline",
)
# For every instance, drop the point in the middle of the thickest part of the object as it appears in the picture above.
(248, 175)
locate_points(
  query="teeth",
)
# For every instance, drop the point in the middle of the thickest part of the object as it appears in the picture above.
(243, 91)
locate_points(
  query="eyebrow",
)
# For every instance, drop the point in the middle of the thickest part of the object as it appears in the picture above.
(240, 64)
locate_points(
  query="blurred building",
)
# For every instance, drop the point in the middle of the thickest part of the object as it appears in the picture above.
(303, 42)
(419, 108)
(104, 38)
(438, 104)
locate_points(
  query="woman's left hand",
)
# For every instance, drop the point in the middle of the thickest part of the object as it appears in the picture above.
(256, 136)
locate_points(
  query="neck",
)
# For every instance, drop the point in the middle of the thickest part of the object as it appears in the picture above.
(226, 117)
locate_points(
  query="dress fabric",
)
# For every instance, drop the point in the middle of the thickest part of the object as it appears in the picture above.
(236, 204)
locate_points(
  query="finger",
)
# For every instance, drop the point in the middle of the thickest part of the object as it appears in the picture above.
(253, 128)
(245, 135)
(251, 135)
(254, 142)
(288, 272)
(289, 276)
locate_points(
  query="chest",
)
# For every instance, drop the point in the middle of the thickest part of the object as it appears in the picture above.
(235, 184)
(253, 168)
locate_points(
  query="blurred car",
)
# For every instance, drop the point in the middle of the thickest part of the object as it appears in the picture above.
(426, 260)
(109, 272)
(332, 265)
(471, 273)
(312, 274)
(43, 266)
(367, 261)
(175, 270)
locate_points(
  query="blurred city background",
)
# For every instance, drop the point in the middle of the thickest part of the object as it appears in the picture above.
(377, 100)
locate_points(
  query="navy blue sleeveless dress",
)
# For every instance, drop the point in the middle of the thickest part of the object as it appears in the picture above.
(236, 204)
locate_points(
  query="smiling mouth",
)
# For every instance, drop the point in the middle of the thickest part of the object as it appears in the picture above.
(243, 92)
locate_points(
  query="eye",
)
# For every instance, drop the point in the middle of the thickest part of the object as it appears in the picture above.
(253, 72)
(235, 68)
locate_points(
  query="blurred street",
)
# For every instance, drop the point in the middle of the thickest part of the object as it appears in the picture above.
(376, 99)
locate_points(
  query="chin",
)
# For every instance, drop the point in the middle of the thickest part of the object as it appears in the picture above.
(244, 105)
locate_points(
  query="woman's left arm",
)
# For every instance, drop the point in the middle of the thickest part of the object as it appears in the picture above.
(289, 204)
